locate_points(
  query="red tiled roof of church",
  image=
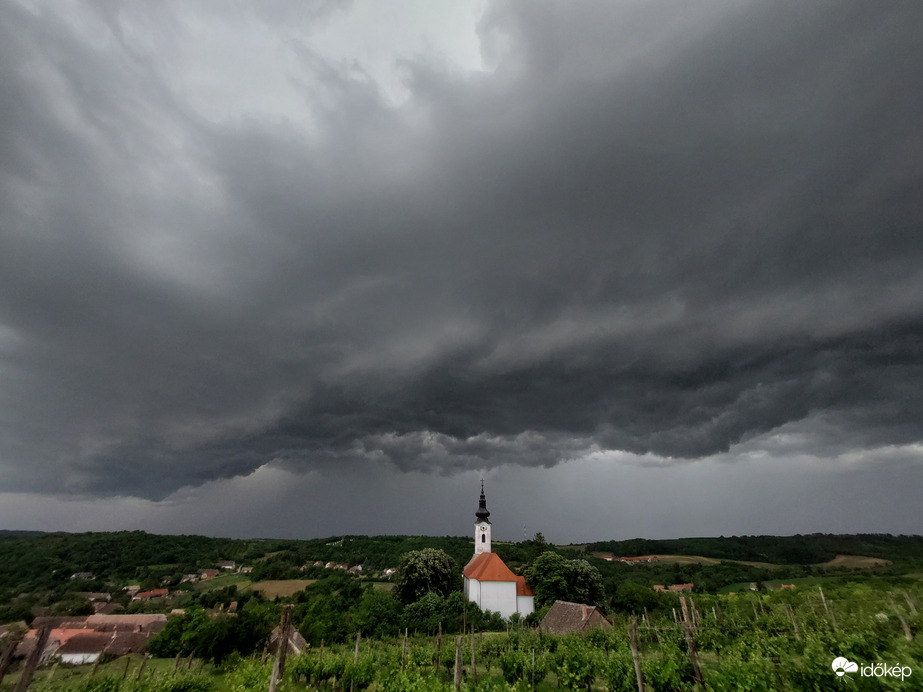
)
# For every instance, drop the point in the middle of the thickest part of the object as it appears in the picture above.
(522, 589)
(489, 567)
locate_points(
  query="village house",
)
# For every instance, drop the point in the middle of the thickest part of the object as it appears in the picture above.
(149, 595)
(83, 639)
(94, 595)
(85, 647)
(565, 617)
(296, 643)
(681, 587)
(488, 581)
(227, 564)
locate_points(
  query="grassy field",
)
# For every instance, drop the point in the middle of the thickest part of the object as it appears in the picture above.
(223, 581)
(800, 583)
(855, 562)
(840, 561)
(281, 587)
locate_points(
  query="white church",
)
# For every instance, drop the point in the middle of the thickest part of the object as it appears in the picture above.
(488, 581)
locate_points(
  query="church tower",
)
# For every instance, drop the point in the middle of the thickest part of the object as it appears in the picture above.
(482, 526)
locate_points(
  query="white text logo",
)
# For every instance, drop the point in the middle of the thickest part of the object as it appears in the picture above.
(841, 666)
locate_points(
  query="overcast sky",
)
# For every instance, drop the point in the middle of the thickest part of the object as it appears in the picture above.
(310, 268)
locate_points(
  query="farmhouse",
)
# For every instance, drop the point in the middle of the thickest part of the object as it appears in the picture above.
(565, 617)
(84, 648)
(488, 581)
(148, 595)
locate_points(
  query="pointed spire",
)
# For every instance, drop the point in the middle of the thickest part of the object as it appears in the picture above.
(482, 512)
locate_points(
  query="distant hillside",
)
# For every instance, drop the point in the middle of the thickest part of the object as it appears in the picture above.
(790, 550)
(33, 561)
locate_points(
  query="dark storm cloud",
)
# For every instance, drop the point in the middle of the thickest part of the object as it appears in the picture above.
(662, 228)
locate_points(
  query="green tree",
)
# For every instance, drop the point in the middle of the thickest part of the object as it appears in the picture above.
(586, 583)
(378, 614)
(536, 546)
(425, 571)
(555, 578)
(632, 597)
(425, 614)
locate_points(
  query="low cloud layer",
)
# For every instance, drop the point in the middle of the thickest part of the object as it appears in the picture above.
(664, 228)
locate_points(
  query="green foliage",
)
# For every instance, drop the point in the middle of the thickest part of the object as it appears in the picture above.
(425, 571)
(576, 663)
(173, 682)
(248, 676)
(214, 638)
(554, 577)
(425, 614)
(632, 597)
(378, 614)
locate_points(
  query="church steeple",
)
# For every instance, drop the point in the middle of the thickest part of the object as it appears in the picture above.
(481, 526)
(482, 512)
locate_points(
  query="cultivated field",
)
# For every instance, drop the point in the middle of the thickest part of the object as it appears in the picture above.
(283, 588)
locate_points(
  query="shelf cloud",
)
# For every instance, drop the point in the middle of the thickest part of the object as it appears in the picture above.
(677, 229)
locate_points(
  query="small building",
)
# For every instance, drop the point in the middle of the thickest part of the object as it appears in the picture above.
(208, 573)
(56, 638)
(565, 617)
(149, 595)
(679, 588)
(84, 648)
(227, 564)
(151, 623)
(296, 643)
(124, 643)
(94, 595)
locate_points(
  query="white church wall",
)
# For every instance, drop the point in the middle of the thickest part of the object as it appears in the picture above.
(499, 596)
(525, 605)
(473, 590)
